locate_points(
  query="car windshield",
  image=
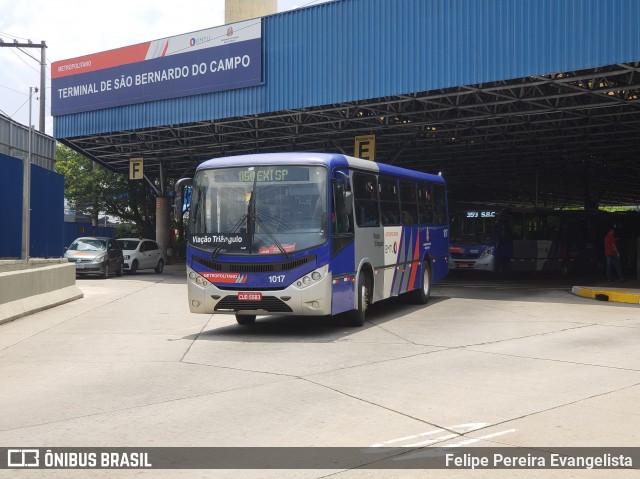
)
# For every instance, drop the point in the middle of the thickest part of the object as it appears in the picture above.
(128, 245)
(259, 209)
(88, 244)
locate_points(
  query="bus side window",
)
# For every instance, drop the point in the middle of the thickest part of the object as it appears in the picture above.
(365, 192)
(389, 202)
(511, 229)
(439, 205)
(534, 225)
(425, 206)
(341, 214)
(553, 228)
(408, 203)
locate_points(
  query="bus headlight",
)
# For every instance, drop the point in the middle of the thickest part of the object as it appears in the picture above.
(197, 279)
(311, 278)
(487, 252)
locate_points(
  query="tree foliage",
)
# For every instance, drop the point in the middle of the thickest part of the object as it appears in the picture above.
(92, 189)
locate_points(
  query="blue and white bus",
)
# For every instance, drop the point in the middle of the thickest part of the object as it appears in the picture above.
(312, 234)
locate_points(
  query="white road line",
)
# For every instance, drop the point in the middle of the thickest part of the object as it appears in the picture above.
(478, 439)
(458, 428)
(432, 441)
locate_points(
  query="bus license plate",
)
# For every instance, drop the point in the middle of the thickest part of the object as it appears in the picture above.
(249, 296)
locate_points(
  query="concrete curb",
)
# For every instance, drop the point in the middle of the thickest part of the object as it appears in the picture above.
(33, 304)
(615, 295)
(26, 289)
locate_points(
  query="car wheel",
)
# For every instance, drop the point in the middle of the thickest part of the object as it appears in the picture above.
(160, 267)
(119, 270)
(246, 319)
(105, 273)
(134, 267)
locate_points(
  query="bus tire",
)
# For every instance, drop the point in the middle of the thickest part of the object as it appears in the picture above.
(246, 319)
(357, 317)
(421, 295)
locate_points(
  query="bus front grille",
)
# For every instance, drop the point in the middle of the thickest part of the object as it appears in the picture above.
(270, 304)
(464, 255)
(254, 267)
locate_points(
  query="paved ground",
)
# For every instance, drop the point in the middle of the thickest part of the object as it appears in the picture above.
(485, 363)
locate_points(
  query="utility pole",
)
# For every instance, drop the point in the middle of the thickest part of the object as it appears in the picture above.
(43, 62)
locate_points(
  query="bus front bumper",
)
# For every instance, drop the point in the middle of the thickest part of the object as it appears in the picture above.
(207, 298)
(482, 263)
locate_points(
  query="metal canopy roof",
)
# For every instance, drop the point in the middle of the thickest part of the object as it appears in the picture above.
(565, 139)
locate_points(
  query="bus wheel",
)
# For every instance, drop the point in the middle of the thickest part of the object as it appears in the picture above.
(246, 319)
(421, 296)
(358, 315)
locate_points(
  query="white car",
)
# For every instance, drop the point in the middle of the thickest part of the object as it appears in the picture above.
(141, 253)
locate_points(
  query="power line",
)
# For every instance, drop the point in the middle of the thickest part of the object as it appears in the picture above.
(12, 89)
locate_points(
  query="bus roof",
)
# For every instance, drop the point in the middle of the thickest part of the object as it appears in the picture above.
(311, 158)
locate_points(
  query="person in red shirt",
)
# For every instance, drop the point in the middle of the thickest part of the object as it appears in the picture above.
(613, 256)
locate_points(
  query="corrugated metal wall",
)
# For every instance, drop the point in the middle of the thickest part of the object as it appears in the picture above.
(47, 210)
(358, 49)
(14, 141)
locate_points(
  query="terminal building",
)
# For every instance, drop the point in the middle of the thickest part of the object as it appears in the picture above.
(531, 102)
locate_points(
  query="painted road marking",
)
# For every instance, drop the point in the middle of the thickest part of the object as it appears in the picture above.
(458, 430)
(477, 439)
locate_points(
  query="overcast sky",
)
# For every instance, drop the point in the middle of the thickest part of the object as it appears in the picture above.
(73, 28)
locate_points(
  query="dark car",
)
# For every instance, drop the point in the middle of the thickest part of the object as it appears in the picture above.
(96, 255)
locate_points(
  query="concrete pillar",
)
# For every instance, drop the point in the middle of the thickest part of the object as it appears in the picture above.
(162, 223)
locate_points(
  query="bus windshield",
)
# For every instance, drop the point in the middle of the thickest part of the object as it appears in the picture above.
(473, 227)
(258, 210)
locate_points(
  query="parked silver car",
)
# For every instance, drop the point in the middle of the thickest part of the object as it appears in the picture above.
(141, 253)
(95, 255)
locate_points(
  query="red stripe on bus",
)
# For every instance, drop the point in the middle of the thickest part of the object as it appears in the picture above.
(414, 265)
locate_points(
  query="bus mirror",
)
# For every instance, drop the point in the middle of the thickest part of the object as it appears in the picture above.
(178, 205)
(341, 175)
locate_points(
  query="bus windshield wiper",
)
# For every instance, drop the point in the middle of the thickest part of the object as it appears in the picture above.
(218, 248)
(273, 238)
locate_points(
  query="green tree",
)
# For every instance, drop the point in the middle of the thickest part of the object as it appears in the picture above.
(90, 189)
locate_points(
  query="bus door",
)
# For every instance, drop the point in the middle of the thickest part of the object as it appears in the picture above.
(342, 245)
(509, 249)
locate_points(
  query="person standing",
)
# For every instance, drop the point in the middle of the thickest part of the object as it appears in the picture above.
(613, 256)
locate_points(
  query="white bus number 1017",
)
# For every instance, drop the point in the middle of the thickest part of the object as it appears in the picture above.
(278, 278)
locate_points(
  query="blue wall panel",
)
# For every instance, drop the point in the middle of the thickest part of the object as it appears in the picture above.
(47, 213)
(10, 207)
(47, 210)
(358, 49)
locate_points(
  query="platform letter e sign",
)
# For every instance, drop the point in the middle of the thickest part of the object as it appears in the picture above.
(135, 169)
(365, 147)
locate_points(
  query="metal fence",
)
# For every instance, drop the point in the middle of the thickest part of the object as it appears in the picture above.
(47, 210)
